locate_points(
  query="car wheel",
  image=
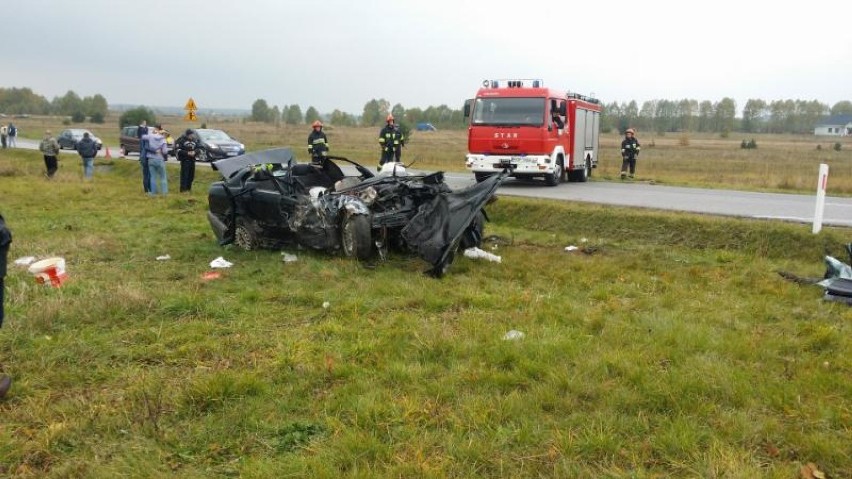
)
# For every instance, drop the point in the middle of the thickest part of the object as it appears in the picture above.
(480, 177)
(245, 235)
(355, 236)
(472, 237)
(122, 150)
(555, 178)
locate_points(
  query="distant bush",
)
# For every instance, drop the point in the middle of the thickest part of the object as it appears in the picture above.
(819, 147)
(838, 146)
(136, 116)
(97, 117)
(683, 140)
(748, 145)
(78, 117)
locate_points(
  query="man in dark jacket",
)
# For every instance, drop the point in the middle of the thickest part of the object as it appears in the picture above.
(88, 149)
(317, 143)
(186, 146)
(629, 153)
(5, 241)
(391, 141)
(141, 131)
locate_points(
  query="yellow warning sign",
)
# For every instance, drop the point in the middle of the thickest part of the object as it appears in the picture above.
(190, 105)
(190, 116)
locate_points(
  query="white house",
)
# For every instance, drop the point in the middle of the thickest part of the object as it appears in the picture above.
(837, 125)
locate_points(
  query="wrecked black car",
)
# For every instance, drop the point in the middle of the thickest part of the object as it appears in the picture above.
(268, 200)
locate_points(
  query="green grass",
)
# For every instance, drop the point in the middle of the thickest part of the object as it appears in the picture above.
(674, 350)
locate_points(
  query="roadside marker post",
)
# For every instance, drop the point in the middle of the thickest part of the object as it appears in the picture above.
(820, 197)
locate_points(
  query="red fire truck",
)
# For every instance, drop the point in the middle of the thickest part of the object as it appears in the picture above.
(533, 130)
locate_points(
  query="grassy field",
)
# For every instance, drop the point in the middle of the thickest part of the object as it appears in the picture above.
(782, 163)
(671, 349)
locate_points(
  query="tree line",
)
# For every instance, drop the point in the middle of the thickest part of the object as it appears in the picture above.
(23, 101)
(374, 113)
(757, 116)
(660, 115)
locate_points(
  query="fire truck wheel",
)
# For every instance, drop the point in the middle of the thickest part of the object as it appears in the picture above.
(556, 177)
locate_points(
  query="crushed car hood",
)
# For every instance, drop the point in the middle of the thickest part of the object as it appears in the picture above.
(229, 166)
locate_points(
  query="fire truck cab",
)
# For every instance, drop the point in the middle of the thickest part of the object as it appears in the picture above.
(532, 130)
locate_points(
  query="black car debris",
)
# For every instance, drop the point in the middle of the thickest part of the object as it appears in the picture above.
(268, 200)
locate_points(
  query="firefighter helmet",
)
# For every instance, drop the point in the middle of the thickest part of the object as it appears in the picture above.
(389, 118)
(317, 123)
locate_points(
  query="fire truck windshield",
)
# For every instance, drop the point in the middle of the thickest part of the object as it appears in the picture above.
(508, 111)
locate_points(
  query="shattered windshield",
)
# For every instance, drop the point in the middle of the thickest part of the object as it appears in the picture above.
(508, 111)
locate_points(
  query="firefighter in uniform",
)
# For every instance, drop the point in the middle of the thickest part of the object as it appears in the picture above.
(391, 141)
(317, 143)
(629, 153)
(186, 146)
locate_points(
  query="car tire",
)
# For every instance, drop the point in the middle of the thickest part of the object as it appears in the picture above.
(580, 176)
(472, 237)
(245, 235)
(355, 236)
(122, 150)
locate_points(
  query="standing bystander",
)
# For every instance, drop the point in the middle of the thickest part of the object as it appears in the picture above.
(49, 147)
(391, 141)
(629, 153)
(4, 133)
(5, 241)
(157, 151)
(87, 149)
(13, 135)
(141, 131)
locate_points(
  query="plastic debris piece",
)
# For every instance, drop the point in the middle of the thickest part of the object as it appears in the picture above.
(49, 271)
(25, 260)
(326, 305)
(164, 257)
(210, 275)
(571, 248)
(584, 240)
(220, 262)
(289, 258)
(513, 335)
(476, 253)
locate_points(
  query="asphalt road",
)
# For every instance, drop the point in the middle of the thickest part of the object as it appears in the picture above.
(770, 206)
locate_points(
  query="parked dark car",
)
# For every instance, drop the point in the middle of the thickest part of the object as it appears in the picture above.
(69, 138)
(268, 200)
(128, 142)
(216, 145)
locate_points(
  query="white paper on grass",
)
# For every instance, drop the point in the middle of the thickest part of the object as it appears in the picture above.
(476, 253)
(220, 262)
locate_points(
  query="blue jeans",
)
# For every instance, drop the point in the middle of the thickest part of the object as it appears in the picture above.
(157, 171)
(88, 168)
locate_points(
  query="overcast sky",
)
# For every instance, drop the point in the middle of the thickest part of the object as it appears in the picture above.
(342, 53)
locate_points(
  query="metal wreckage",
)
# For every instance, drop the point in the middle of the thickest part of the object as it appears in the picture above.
(267, 200)
(836, 282)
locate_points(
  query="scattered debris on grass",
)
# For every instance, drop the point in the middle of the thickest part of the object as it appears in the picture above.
(571, 248)
(513, 335)
(220, 262)
(476, 253)
(326, 305)
(810, 471)
(25, 260)
(211, 275)
(164, 257)
(49, 271)
(289, 258)
(837, 280)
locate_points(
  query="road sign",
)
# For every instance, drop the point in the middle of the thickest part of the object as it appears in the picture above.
(190, 116)
(190, 105)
